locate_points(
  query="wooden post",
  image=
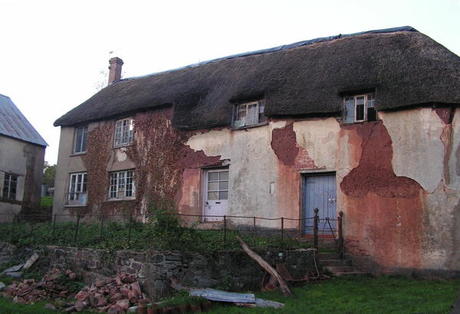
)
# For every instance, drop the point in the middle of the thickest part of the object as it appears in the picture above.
(101, 230)
(75, 236)
(340, 234)
(54, 226)
(225, 229)
(129, 229)
(282, 230)
(15, 218)
(315, 229)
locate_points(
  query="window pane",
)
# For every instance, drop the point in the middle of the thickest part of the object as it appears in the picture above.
(118, 131)
(359, 112)
(129, 183)
(223, 195)
(223, 185)
(213, 186)
(370, 102)
(262, 117)
(121, 180)
(125, 135)
(84, 139)
(213, 176)
(253, 114)
(349, 110)
(241, 112)
(212, 196)
(83, 189)
(78, 140)
(113, 185)
(371, 114)
(73, 183)
(360, 100)
(223, 176)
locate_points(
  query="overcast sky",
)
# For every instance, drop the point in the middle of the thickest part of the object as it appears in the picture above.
(54, 54)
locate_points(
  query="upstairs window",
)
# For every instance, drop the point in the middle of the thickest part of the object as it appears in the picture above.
(121, 184)
(247, 114)
(124, 132)
(359, 108)
(10, 183)
(80, 139)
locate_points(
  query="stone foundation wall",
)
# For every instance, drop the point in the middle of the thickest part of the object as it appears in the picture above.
(232, 270)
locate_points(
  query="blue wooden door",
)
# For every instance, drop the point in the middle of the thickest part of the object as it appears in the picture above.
(320, 192)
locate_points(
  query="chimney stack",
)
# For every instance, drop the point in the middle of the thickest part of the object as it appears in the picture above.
(115, 69)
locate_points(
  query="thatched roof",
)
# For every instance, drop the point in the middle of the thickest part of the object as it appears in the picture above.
(404, 67)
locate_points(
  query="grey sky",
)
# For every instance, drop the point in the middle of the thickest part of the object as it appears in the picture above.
(53, 52)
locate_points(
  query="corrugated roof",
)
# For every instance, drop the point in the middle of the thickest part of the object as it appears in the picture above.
(15, 125)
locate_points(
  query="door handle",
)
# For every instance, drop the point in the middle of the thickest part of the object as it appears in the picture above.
(217, 202)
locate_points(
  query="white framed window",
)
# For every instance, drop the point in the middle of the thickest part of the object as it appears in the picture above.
(124, 132)
(359, 108)
(217, 185)
(247, 114)
(121, 184)
(10, 184)
(80, 139)
(78, 194)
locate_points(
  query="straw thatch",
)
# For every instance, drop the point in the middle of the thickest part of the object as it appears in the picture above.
(404, 67)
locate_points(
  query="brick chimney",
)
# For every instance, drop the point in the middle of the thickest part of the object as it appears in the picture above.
(115, 69)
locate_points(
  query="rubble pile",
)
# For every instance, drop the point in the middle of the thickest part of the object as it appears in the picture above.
(113, 295)
(51, 286)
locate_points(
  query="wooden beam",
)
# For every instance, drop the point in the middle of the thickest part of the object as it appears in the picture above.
(266, 266)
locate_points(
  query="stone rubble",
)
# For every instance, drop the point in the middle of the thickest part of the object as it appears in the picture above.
(113, 295)
(51, 286)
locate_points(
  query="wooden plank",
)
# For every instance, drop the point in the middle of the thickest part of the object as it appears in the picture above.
(268, 268)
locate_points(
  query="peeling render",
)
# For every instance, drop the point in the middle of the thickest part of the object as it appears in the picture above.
(416, 140)
(384, 211)
(398, 179)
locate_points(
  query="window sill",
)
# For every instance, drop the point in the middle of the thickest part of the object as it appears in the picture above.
(122, 146)
(72, 206)
(359, 122)
(77, 154)
(120, 199)
(10, 201)
(250, 126)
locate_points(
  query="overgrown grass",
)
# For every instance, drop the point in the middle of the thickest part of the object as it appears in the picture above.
(9, 307)
(363, 295)
(165, 232)
(181, 298)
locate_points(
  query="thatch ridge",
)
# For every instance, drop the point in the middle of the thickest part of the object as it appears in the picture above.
(406, 68)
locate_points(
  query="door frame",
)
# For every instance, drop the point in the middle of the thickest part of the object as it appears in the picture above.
(204, 188)
(312, 173)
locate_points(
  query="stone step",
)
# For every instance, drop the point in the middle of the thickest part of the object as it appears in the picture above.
(340, 269)
(327, 255)
(335, 262)
(351, 273)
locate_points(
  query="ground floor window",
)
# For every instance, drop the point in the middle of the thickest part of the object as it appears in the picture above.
(121, 184)
(77, 189)
(10, 183)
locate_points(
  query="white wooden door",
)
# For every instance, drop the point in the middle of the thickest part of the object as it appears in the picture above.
(215, 194)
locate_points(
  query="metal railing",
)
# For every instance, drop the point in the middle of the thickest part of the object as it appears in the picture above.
(67, 229)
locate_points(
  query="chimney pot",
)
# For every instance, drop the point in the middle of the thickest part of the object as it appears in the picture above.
(115, 65)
